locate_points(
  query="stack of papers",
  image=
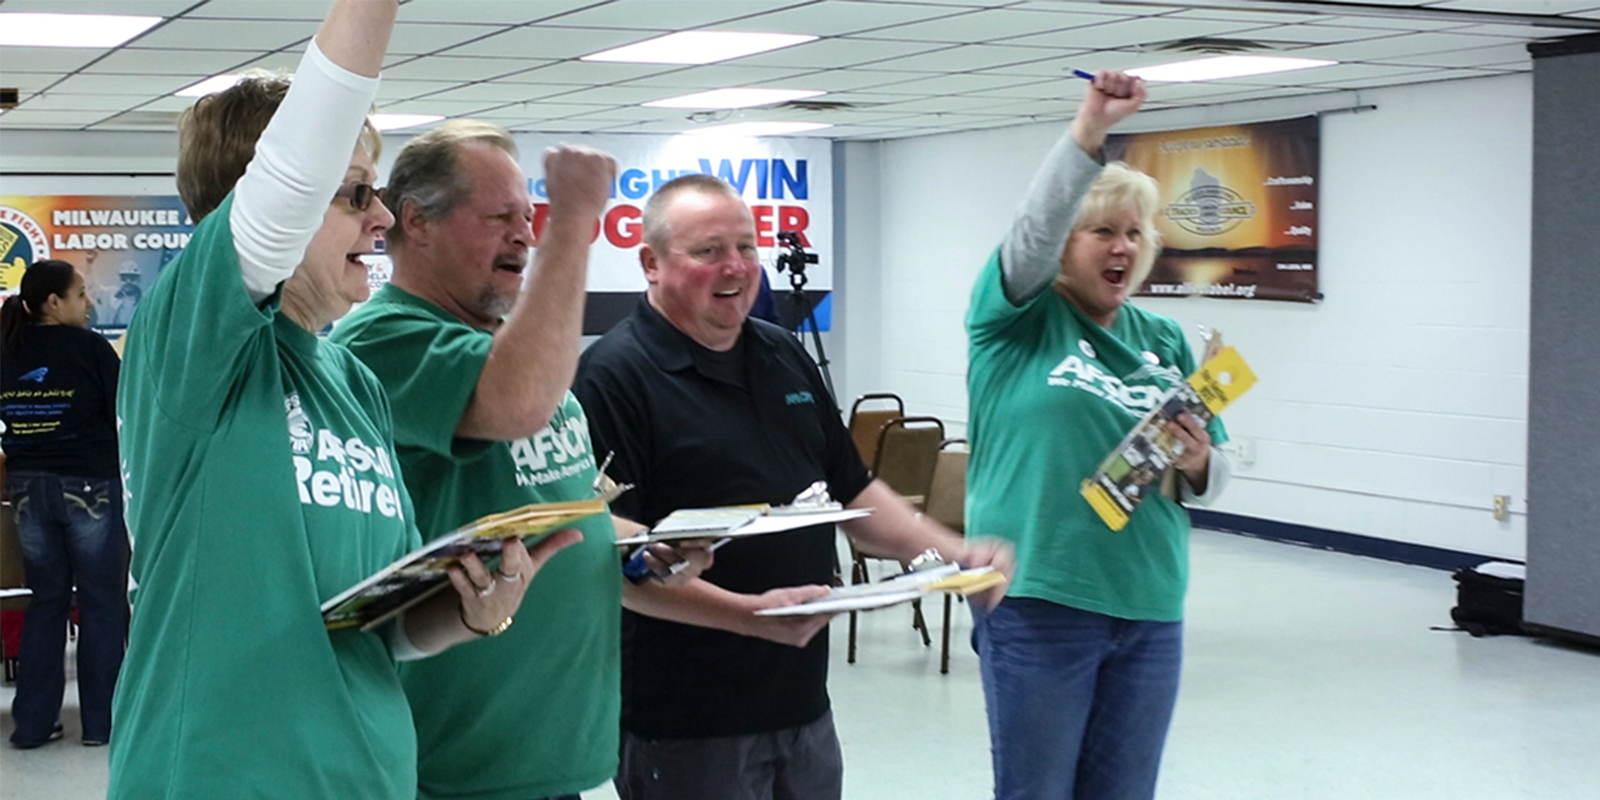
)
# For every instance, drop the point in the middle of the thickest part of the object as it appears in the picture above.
(950, 579)
(422, 572)
(736, 522)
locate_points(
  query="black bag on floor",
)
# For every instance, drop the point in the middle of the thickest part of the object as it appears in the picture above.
(1489, 599)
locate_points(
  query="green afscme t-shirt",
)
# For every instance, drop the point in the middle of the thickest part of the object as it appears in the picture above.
(1052, 393)
(533, 712)
(261, 481)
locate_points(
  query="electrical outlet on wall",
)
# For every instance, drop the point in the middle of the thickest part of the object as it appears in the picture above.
(1502, 507)
(1242, 450)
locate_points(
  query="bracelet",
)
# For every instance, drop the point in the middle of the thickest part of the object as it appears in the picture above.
(495, 631)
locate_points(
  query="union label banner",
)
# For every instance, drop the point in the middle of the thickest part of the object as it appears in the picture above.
(1238, 209)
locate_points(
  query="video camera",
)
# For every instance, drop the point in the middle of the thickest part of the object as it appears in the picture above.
(795, 258)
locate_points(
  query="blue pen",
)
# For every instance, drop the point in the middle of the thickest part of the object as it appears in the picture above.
(638, 570)
(1078, 73)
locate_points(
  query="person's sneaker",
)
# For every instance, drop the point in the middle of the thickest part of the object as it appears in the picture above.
(88, 742)
(55, 733)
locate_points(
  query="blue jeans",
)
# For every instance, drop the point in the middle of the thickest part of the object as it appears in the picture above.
(72, 533)
(1079, 702)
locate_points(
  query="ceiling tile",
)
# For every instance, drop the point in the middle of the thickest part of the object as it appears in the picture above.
(837, 80)
(216, 34)
(47, 59)
(1519, 6)
(1396, 46)
(140, 8)
(507, 12)
(128, 86)
(546, 109)
(669, 16)
(1126, 33)
(943, 104)
(198, 63)
(550, 42)
(1258, 17)
(1525, 31)
(1292, 37)
(494, 93)
(836, 53)
(455, 68)
(836, 18)
(23, 117)
(961, 58)
(1475, 57)
(55, 101)
(313, 10)
(1421, 76)
(955, 84)
(714, 76)
(449, 108)
(415, 38)
(618, 95)
(590, 73)
(981, 26)
(393, 89)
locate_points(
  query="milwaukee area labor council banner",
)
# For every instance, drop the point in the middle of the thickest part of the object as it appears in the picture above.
(118, 242)
(1238, 212)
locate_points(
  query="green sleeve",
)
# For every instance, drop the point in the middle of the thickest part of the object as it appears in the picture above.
(197, 328)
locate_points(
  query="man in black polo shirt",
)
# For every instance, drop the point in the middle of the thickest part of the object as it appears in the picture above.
(705, 407)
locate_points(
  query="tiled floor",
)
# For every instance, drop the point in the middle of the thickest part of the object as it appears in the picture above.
(1310, 675)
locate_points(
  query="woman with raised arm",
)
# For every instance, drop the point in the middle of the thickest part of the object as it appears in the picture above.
(260, 466)
(1080, 661)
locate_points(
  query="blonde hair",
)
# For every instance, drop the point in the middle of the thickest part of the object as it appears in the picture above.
(1121, 186)
(217, 138)
(428, 174)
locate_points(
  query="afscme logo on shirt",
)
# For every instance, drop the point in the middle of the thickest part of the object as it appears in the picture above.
(1074, 372)
(557, 452)
(331, 470)
(798, 398)
(37, 376)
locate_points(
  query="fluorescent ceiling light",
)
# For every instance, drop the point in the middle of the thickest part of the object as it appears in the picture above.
(394, 122)
(698, 47)
(758, 128)
(210, 85)
(1218, 67)
(733, 98)
(70, 30)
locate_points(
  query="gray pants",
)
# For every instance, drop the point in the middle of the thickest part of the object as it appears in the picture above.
(801, 763)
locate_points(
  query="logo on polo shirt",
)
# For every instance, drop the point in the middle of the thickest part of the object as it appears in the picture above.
(798, 398)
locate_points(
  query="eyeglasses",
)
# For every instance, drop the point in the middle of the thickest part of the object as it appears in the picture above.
(359, 193)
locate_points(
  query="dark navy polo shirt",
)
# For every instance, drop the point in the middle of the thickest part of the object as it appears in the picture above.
(688, 436)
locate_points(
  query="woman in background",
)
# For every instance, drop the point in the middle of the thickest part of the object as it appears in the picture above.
(58, 387)
(1080, 661)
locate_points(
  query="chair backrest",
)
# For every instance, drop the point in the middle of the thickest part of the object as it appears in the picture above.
(908, 449)
(947, 495)
(866, 422)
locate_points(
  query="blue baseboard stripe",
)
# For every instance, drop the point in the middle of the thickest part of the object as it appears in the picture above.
(1338, 541)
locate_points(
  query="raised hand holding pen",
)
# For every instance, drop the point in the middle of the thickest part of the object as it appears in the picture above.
(1110, 98)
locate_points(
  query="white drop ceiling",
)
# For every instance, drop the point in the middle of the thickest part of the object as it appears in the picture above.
(899, 67)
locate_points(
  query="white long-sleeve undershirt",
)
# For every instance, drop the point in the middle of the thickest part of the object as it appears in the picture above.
(300, 161)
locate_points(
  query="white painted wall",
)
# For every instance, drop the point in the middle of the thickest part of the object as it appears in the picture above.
(1396, 408)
